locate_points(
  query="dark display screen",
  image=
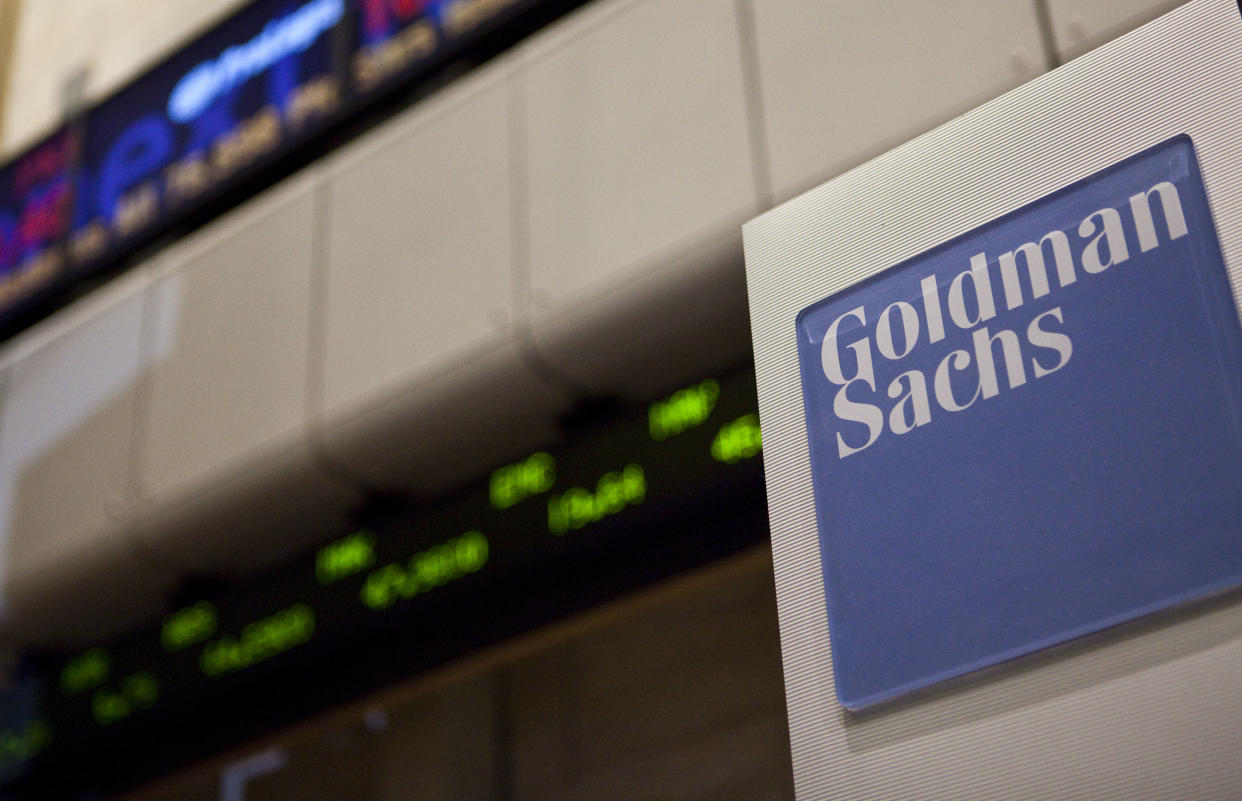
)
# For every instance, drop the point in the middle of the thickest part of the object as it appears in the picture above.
(37, 198)
(625, 500)
(394, 37)
(263, 79)
(224, 107)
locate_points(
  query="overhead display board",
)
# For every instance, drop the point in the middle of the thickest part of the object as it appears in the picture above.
(629, 497)
(218, 111)
(1000, 378)
(260, 81)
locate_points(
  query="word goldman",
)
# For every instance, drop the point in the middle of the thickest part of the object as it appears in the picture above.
(1103, 245)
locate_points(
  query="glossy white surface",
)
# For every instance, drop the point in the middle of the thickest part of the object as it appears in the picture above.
(1148, 710)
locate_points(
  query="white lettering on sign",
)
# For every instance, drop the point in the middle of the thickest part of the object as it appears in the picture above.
(963, 376)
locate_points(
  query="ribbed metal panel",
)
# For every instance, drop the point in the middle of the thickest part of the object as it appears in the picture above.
(1149, 710)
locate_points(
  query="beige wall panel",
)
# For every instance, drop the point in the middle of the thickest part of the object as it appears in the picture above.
(636, 140)
(423, 386)
(419, 263)
(228, 481)
(639, 176)
(659, 329)
(66, 450)
(114, 40)
(67, 424)
(843, 81)
(230, 321)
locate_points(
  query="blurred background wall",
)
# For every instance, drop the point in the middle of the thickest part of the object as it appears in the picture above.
(106, 42)
(428, 300)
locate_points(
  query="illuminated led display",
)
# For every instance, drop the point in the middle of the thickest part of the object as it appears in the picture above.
(613, 492)
(138, 691)
(516, 482)
(282, 37)
(345, 557)
(226, 105)
(259, 641)
(394, 35)
(36, 208)
(418, 571)
(738, 440)
(188, 626)
(683, 409)
(425, 571)
(460, 17)
(85, 672)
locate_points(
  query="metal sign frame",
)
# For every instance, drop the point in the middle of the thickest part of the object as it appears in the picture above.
(1071, 723)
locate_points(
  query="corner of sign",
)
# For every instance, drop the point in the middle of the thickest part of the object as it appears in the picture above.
(856, 704)
(800, 319)
(852, 705)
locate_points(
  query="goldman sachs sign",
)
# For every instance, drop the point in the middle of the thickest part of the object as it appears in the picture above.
(1044, 400)
(1000, 382)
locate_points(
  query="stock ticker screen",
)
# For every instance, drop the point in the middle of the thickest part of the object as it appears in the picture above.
(626, 499)
(183, 138)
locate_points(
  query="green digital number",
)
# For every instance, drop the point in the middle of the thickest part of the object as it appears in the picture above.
(85, 672)
(345, 557)
(258, 641)
(578, 506)
(516, 482)
(425, 571)
(188, 626)
(138, 691)
(738, 440)
(682, 410)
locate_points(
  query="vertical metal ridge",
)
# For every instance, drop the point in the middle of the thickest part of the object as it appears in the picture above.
(521, 280)
(317, 344)
(752, 92)
(1047, 36)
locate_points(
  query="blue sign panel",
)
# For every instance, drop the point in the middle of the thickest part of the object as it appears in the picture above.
(1028, 433)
